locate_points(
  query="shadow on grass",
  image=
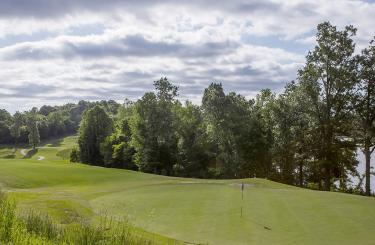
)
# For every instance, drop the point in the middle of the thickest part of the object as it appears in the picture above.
(54, 142)
(10, 156)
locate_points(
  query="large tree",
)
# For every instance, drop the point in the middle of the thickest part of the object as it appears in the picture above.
(328, 78)
(32, 127)
(292, 137)
(285, 115)
(263, 112)
(5, 123)
(237, 143)
(117, 150)
(214, 105)
(15, 128)
(95, 126)
(364, 103)
(154, 130)
(192, 157)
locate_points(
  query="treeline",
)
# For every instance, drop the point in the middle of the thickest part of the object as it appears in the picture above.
(46, 122)
(308, 135)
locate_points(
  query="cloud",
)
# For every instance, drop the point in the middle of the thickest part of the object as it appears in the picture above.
(129, 46)
(54, 51)
(57, 8)
(287, 19)
(26, 90)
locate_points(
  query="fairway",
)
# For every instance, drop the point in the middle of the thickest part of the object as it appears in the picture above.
(191, 210)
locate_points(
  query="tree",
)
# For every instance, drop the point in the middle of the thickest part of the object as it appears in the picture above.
(292, 138)
(166, 128)
(214, 105)
(95, 126)
(284, 144)
(192, 145)
(263, 114)
(328, 79)
(46, 109)
(5, 122)
(56, 124)
(32, 126)
(5, 136)
(116, 149)
(154, 130)
(15, 129)
(364, 104)
(234, 133)
(5, 116)
(303, 131)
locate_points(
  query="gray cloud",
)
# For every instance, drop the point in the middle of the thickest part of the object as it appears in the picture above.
(115, 49)
(129, 46)
(27, 90)
(252, 6)
(55, 8)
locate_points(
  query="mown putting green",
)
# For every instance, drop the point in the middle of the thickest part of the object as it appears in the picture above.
(193, 210)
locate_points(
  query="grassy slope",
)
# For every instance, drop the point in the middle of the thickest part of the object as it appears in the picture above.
(188, 209)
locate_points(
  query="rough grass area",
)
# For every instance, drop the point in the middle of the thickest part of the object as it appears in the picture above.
(33, 228)
(8, 152)
(191, 210)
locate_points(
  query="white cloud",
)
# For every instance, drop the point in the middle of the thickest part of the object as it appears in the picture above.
(113, 49)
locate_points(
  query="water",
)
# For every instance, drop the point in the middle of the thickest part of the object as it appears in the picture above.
(361, 169)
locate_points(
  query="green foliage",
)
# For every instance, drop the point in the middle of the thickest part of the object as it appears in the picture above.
(192, 145)
(154, 130)
(364, 105)
(32, 125)
(96, 125)
(15, 129)
(307, 135)
(328, 79)
(234, 133)
(51, 121)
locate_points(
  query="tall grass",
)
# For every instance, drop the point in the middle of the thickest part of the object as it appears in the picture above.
(32, 228)
(7, 218)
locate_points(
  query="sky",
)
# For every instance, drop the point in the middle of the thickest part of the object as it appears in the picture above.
(54, 52)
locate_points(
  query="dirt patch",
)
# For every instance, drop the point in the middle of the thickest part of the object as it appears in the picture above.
(23, 152)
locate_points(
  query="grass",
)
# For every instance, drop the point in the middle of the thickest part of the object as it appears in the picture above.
(192, 210)
(32, 228)
(8, 152)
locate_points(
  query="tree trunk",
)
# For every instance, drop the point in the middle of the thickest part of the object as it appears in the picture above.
(320, 180)
(327, 179)
(368, 158)
(301, 174)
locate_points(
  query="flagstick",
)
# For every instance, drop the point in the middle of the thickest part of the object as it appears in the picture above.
(242, 187)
